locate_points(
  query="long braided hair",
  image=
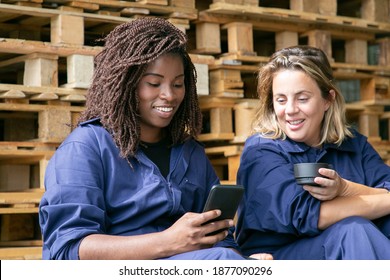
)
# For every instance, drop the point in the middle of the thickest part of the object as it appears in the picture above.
(112, 96)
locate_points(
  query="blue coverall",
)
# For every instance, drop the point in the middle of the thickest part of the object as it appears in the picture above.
(90, 189)
(278, 216)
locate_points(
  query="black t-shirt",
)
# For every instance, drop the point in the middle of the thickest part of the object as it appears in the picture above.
(159, 153)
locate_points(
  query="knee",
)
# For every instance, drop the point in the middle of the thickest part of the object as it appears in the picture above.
(355, 238)
(226, 254)
(353, 224)
(353, 229)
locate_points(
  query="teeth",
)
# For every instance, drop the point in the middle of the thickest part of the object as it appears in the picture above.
(164, 109)
(295, 122)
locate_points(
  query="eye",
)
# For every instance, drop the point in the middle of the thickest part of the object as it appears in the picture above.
(281, 100)
(153, 84)
(178, 85)
(303, 99)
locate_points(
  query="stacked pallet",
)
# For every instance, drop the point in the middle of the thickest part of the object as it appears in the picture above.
(46, 63)
(243, 34)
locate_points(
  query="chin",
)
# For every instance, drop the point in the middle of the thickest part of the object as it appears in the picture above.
(296, 139)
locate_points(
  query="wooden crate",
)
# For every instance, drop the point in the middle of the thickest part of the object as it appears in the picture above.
(30, 158)
(244, 112)
(225, 160)
(43, 70)
(37, 122)
(20, 235)
(226, 82)
(217, 119)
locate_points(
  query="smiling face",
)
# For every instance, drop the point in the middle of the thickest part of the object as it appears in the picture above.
(161, 91)
(299, 106)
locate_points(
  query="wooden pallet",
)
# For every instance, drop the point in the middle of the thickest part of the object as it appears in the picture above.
(19, 220)
(226, 160)
(21, 253)
(290, 27)
(218, 118)
(71, 21)
(29, 164)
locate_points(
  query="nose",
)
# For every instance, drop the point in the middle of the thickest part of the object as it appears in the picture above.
(291, 107)
(167, 93)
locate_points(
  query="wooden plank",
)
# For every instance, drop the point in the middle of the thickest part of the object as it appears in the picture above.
(84, 5)
(13, 94)
(27, 145)
(13, 210)
(207, 102)
(215, 136)
(24, 156)
(21, 253)
(28, 197)
(153, 2)
(17, 46)
(36, 90)
(226, 151)
(21, 243)
(182, 3)
(38, 107)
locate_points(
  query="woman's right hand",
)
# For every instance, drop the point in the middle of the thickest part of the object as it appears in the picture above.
(331, 186)
(191, 231)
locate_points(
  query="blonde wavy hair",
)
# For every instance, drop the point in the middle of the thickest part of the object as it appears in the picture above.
(314, 63)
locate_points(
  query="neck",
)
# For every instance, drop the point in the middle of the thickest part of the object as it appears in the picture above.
(152, 136)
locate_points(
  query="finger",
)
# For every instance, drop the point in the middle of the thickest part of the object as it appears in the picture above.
(321, 181)
(208, 216)
(214, 237)
(317, 192)
(218, 226)
(311, 189)
(329, 173)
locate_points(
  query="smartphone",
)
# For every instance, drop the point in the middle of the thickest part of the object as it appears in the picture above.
(225, 198)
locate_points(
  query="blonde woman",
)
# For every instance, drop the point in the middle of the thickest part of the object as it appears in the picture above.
(301, 118)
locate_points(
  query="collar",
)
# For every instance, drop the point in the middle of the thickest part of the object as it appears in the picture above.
(291, 146)
(94, 120)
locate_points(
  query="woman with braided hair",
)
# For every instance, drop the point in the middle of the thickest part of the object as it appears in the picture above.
(131, 180)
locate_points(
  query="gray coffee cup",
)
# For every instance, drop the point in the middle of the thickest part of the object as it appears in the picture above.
(306, 172)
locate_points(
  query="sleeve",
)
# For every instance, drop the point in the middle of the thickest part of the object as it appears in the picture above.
(73, 204)
(273, 201)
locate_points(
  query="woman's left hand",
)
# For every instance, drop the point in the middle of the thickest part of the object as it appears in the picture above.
(330, 187)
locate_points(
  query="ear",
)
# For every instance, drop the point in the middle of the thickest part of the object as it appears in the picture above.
(330, 100)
